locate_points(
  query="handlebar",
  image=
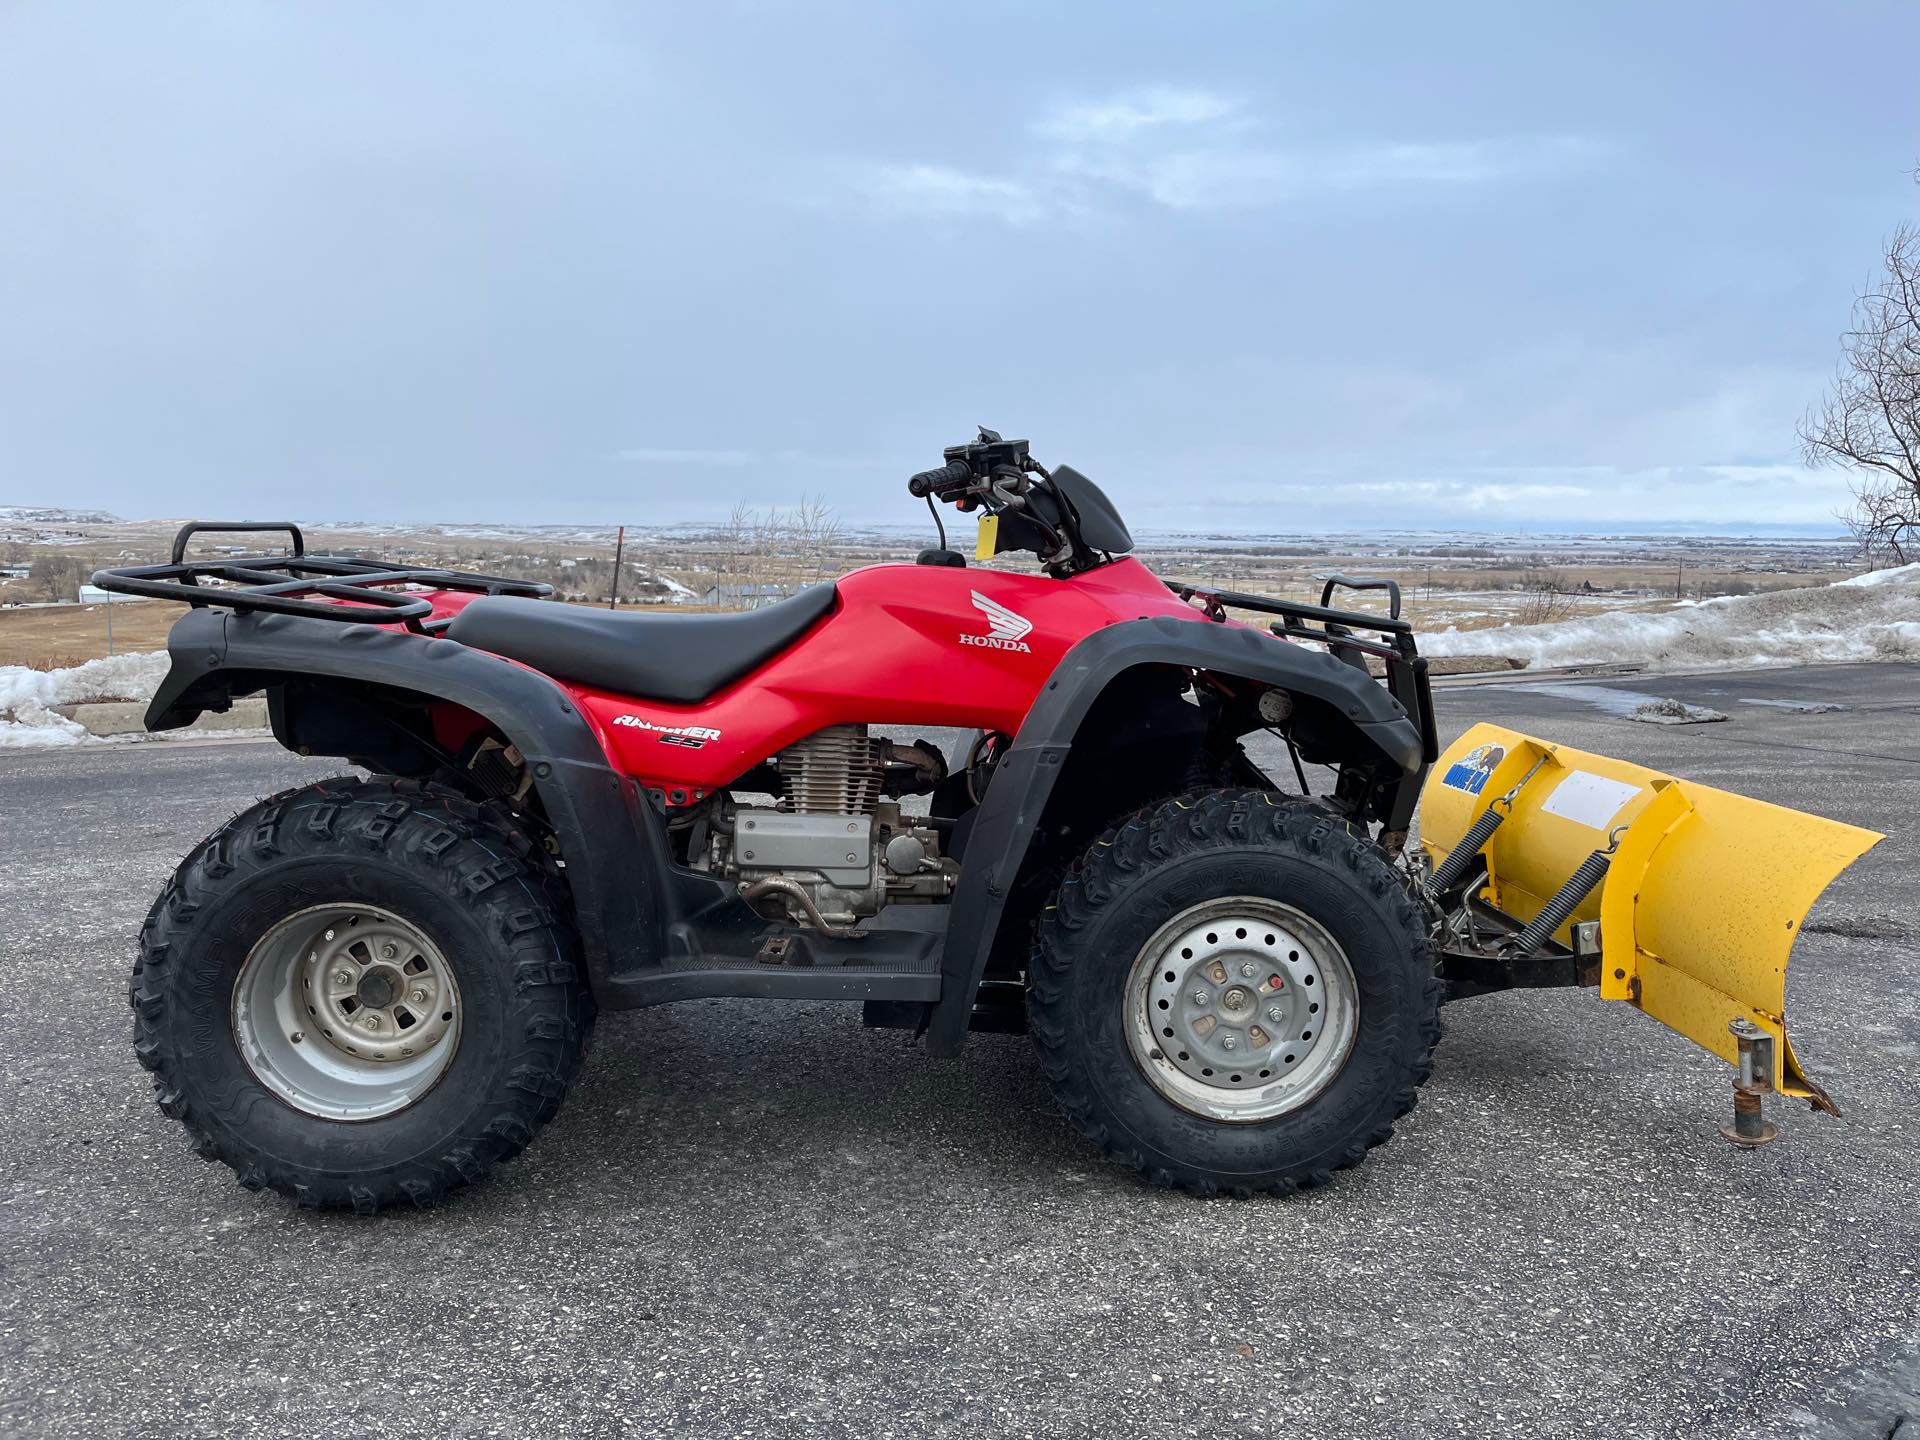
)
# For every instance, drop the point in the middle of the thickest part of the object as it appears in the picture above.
(943, 482)
(990, 474)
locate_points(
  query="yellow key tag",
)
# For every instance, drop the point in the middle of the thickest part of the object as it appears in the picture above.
(988, 545)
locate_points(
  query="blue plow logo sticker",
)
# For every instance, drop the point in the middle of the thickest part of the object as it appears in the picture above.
(1470, 771)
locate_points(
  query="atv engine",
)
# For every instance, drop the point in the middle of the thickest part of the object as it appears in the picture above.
(835, 846)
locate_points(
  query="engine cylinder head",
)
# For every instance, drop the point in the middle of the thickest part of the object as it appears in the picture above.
(835, 771)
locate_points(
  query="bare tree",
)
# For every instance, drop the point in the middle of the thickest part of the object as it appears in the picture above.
(1869, 421)
(768, 544)
(1549, 596)
(56, 577)
(733, 559)
(816, 537)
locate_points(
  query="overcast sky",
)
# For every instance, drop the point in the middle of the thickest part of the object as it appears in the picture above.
(1257, 267)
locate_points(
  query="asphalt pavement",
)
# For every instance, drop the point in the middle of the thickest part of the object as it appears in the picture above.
(759, 1219)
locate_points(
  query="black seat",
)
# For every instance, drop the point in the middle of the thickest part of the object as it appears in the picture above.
(677, 658)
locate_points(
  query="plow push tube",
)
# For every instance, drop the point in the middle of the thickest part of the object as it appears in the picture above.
(1699, 896)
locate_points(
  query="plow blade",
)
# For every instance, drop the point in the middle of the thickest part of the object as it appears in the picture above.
(1697, 903)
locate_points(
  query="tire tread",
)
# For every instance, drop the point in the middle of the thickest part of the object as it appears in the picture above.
(436, 835)
(1165, 833)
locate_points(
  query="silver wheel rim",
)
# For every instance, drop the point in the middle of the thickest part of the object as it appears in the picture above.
(1241, 1009)
(347, 1012)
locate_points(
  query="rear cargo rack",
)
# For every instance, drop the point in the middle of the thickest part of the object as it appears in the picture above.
(319, 587)
(1406, 672)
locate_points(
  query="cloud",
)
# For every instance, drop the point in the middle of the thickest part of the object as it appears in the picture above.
(1125, 116)
(1256, 495)
(1475, 496)
(740, 459)
(1782, 494)
(1471, 162)
(650, 455)
(1193, 150)
(939, 191)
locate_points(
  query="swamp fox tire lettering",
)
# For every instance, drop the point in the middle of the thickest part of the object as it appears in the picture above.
(464, 879)
(1182, 853)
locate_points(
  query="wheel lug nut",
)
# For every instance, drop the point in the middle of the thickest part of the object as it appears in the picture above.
(373, 1022)
(1273, 1013)
(387, 951)
(343, 977)
(1227, 1043)
(1200, 997)
(1246, 972)
(419, 997)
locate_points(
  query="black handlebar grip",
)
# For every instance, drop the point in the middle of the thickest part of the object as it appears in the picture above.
(948, 475)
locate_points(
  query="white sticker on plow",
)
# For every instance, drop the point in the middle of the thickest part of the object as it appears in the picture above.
(1588, 799)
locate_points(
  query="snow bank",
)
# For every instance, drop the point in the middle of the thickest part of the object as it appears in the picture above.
(680, 593)
(27, 697)
(1871, 617)
(1898, 575)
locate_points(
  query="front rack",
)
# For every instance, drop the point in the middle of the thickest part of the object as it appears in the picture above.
(1406, 671)
(352, 591)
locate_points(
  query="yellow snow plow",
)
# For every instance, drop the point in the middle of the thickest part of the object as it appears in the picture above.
(1552, 866)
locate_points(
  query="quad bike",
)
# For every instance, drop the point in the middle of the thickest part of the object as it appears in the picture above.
(367, 991)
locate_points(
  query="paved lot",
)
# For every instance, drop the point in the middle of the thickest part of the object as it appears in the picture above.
(764, 1220)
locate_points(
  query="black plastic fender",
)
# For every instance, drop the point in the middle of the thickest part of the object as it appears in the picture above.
(612, 841)
(1022, 781)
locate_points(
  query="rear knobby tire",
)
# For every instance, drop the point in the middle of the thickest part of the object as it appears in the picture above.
(1160, 874)
(422, 862)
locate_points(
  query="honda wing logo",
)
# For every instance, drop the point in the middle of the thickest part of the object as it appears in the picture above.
(1005, 629)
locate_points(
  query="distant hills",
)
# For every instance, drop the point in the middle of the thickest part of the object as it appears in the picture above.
(53, 515)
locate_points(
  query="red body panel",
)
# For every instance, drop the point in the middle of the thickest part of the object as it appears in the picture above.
(905, 645)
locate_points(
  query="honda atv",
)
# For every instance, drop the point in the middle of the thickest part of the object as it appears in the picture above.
(367, 991)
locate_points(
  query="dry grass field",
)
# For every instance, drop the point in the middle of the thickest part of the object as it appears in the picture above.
(1448, 581)
(47, 637)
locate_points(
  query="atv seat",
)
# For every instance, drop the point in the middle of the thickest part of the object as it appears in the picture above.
(681, 659)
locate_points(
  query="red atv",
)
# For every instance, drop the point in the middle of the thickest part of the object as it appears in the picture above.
(370, 991)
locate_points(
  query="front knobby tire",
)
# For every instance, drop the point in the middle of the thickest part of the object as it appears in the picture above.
(360, 993)
(1234, 992)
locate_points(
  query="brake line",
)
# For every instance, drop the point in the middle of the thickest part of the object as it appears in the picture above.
(1293, 750)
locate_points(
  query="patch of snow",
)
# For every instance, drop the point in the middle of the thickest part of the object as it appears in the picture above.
(1799, 707)
(1627, 704)
(1676, 712)
(37, 728)
(1824, 624)
(53, 514)
(1898, 575)
(27, 697)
